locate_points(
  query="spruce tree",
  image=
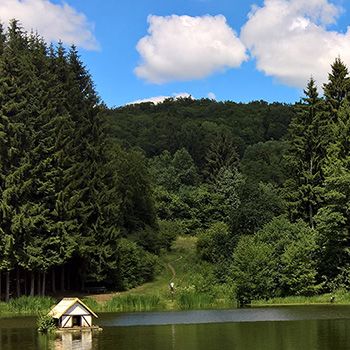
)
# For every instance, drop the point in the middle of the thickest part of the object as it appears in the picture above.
(93, 180)
(15, 138)
(333, 220)
(338, 87)
(221, 154)
(305, 156)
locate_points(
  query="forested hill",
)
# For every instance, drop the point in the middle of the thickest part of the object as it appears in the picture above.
(94, 195)
(264, 187)
(194, 125)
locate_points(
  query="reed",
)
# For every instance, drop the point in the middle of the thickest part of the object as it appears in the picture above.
(132, 302)
(193, 300)
(27, 305)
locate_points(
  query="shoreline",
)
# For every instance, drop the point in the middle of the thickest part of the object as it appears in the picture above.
(254, 305)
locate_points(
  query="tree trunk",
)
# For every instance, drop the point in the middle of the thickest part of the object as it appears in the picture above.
(62, 279)
(32, 283)
(18, 282)
(25, 282)
(0, 285)
(39, 283)
(68, 280)
(43, 284)
(7, 295)
(53, 277)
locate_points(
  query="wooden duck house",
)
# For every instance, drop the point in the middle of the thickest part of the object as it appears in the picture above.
(72, 313)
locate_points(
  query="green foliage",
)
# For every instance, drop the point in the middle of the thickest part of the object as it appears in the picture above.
(332, 219)
(264, 162)
(45, 324)
(75, 176)
(196, 124)
(134, 265)
(215, 243)
(65, 186)
(308, 137)
(168, 231)
(259, 204)
(221, 154)
(184, 168)
(279, 260)
(252, 270)
(338, 86)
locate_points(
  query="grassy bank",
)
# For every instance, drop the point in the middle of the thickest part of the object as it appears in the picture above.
(194, 288)
(339, 297)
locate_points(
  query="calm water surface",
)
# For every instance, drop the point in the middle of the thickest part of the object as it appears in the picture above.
(274, 328)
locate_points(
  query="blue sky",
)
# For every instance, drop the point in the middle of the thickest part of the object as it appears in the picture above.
(229, 50)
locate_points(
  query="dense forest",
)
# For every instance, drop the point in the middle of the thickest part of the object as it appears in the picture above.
(92, 194)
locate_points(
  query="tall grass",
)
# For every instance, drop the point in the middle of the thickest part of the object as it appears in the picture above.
(27, 305)
(338, 297)
(193, 300)
(133, 303)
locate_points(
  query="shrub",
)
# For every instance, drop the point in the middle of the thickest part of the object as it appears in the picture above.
(168, 231)
(45, 324)
(135, 266)
(280, 260)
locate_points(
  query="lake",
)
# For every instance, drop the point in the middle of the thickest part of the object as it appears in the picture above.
(273, 328)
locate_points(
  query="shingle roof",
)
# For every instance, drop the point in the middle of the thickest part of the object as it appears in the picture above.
(65, 304)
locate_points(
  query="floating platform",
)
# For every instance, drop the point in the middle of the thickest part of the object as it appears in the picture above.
(79, 329)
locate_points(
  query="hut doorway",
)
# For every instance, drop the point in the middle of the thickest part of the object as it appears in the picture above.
(76, 321)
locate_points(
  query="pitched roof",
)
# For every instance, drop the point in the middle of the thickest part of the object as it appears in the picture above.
(65, 304)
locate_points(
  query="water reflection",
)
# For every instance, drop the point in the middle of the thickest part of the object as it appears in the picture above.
(73, 341)
(292, 328)
(173, 336)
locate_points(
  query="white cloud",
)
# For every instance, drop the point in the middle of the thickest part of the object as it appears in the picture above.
(160, 99)
(211, 95)
(52, 21)
(291, 42)
(180, 48)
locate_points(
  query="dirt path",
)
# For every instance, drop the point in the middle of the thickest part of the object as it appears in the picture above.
(101, 298)
(172, 269)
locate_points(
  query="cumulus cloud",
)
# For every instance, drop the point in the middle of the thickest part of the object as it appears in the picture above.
(160, 99)
(211, 95)
(179, 48)
(53, 21)
(291, 41)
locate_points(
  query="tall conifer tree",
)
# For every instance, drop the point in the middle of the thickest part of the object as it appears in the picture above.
(306, 155)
